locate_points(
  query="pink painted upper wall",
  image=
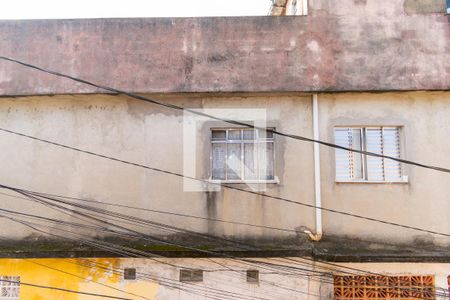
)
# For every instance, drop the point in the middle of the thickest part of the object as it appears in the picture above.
(345, 45)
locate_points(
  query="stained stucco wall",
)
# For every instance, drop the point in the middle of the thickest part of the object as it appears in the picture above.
(105, 276)
(423, 201)
(342, 45)
(155, 279)
(139, 132)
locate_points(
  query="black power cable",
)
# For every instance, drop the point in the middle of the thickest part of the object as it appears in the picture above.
(221, 184)
(265, 263)
(62, 289)
(122, 251)
(234, 122)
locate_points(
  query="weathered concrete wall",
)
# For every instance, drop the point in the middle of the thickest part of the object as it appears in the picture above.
(340, 46)
(423, 201)
(222, 278)
(156, 279)
(142, 133)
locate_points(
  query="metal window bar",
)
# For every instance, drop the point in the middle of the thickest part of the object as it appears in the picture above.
(258, 141)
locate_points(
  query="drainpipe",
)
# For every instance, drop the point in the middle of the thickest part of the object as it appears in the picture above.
(318, 200)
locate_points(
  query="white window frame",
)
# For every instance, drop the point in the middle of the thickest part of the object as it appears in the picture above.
(14, 289)
(404, 178)
(302, 8)
(257, 139)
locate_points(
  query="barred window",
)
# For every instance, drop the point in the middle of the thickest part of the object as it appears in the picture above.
(375, 287)
(9, 287)
(353, 166)
(242, 155)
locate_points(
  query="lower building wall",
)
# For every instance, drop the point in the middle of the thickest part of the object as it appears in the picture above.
(222, 279)
(279, 278)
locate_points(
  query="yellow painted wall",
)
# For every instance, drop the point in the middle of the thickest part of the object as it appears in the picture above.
(73, 274)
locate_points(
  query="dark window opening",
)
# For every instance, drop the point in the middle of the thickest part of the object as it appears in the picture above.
(129, 274)
(253, 276)
(189, 275)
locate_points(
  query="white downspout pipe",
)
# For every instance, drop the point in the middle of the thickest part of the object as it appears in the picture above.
(318, 200)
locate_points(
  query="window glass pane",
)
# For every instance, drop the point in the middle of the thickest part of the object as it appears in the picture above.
(265, 161)
(234, 161)
(357, 158)
(344, 166)
(218, 134)
(374, 142)
(391, 147)
(250, 171)
(249, 134)
(219, 154)
(234, 134)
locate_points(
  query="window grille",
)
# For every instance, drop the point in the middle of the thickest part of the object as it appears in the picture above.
(242, 155)
(375, 287)
(352, 166)
(9, 287)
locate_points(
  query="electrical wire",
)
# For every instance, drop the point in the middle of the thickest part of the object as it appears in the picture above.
(86, 279)
(251, 126)
(127, 252)
(110, 231)
(119, 250)
(224, 185)
(330, 282)
(183, 215)
(234, 122)
(62, 289)
(104, 212)
(197, 250)
(164, 212)
(113, 249)
(354, 274)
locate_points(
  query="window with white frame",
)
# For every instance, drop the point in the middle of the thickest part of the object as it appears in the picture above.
(242, 155)
(9, 287)
(353, 166)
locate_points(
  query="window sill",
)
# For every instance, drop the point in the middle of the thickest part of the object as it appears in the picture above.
(272, 181)
(372, 182)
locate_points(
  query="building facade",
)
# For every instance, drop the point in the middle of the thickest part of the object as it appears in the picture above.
(112, 194)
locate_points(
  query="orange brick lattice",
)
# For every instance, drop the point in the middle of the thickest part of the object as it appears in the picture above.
(384, 287)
